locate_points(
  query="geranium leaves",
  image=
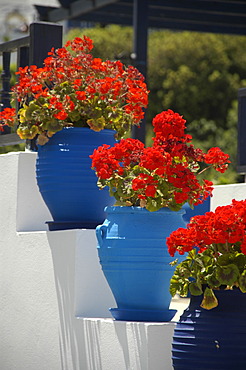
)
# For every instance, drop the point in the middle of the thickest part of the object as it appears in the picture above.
(209, 269)
(231, 269)
(75, 88)
(195, 288)
(216, 246)
(239, 259)
(242, 282)
(209, 299)
(227, 275)
(212, 281)
(178, 286)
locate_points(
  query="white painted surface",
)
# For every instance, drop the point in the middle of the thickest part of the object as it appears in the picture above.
(49, 278)
(223, 194)
(120, 345)
(32, 212)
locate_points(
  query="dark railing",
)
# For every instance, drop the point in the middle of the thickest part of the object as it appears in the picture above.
(30, 50)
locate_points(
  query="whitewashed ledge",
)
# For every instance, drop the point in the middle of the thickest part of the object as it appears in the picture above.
(125, 345)
(54, 298)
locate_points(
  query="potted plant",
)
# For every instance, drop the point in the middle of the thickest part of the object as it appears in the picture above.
(214, 273)
(150, 186)
(74, 103)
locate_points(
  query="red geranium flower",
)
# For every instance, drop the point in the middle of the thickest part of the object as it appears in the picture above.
(75, 89)
(164, 175)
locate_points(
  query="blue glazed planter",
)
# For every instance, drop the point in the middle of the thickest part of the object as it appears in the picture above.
(66, 181)
(200, 209)
(212, 339)
(135, 261)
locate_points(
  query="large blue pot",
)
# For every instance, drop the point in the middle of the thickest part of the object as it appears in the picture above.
(200, 209)
(135, 261)
(212, 339)
(66, 181)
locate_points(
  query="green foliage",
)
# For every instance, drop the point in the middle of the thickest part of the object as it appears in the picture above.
(209, 299)
(194, 74)
(195, 288)
(204, 269)
(242, 282)
(112, 42)
(82, 92)
(199, 73)
(12, 148)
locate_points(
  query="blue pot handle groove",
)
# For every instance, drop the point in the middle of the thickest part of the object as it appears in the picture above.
(101, 234)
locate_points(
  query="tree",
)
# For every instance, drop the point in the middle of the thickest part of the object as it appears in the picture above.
(197, 75)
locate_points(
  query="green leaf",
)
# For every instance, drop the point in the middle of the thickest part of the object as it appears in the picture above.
(119, 203)
(227, 275)
(222, 248)
(224, 259)
(174, 263)
(192, 254)
(137, 170)
(111, 191)
(174, 285)
(212, 281)
(200, 260)
(209, 299)
(123, 193)
(175, 207)
(207, 260)
(240, 261)
(117, 197)
(242, 282)
(162, 187)
(152, 205)
(185, 272)
(183, 292)
(209, 270)
(195, 288)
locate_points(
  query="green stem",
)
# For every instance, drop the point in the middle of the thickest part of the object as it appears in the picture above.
(205, 169)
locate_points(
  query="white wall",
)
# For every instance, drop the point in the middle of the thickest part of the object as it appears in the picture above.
(54, 298)
(223, 194)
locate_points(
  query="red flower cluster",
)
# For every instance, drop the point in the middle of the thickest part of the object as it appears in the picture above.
(158, 176)
(169, 125)
(111, 161)
(216, 157)
(226, 227)
(9, 116)
(74, 88)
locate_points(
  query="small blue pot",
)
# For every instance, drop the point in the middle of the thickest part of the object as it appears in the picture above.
(135, 261)
(212, 339)
(66, 181)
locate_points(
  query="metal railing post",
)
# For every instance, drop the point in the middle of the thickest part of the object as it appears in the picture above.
(43, 37)
(32, 49)
(5, 93)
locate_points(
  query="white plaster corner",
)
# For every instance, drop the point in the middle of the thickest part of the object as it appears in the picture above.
(93, 296)
(32, 213)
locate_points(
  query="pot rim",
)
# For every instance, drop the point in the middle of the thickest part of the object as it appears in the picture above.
(140, 210)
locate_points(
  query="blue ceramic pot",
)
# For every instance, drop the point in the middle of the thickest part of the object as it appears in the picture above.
(66, 181)
(200, 209)
(135, 261)
(212, 339)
